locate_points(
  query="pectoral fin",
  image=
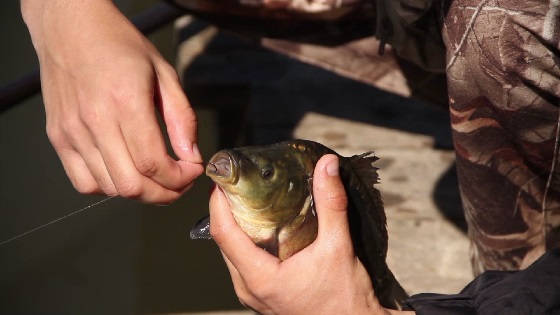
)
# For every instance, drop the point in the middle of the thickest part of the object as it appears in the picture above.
(201, 230)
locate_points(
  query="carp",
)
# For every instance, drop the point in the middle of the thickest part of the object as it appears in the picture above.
(269, 190)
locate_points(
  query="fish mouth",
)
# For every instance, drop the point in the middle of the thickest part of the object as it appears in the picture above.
(222, 168)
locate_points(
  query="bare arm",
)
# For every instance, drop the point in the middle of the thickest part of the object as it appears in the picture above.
(102, 82)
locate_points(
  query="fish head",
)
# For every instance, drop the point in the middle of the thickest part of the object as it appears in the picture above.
(266, 186)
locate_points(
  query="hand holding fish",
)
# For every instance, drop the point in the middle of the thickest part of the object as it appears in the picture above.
(102, 80)
(324, 278)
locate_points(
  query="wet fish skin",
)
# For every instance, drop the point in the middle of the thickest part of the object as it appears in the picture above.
(277, 212)
(269, 189)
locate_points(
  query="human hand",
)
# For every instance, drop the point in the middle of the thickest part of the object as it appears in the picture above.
(324, 278)
(102, 81)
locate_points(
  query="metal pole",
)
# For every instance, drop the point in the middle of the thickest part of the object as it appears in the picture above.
(28, 85)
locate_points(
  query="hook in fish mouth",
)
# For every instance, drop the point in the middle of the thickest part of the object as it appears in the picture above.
(222, 167)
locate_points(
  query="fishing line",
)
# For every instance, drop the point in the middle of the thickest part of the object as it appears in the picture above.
(55, 220)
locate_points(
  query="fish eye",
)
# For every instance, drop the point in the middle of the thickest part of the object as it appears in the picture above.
(267, 172)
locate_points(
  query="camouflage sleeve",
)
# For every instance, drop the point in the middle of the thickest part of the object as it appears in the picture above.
(503, 72)
(413, 29)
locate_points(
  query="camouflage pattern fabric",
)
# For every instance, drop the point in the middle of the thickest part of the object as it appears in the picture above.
(413, 28)
(503, 73)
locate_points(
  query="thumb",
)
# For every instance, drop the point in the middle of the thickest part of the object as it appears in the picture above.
(330, 200)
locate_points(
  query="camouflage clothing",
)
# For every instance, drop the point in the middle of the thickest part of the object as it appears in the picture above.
(503, 73)
(503, 77)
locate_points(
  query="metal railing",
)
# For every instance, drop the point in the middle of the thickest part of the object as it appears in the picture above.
(29, 84)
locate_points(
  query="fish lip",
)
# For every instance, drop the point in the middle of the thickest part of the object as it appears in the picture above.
(216, 165)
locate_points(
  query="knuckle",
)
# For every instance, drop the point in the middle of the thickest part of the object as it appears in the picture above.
(124, 92)
(90, 117)
(71, 124)
(121, 96)
(174, 75)
(170, 70)
(85, 187)
(337, 199)
(147, 166)
(55, 135)
(71, 127)
(165, 65)
(130, 189)
(108, 189)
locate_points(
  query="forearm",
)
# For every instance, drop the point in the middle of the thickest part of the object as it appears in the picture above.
(50, 18)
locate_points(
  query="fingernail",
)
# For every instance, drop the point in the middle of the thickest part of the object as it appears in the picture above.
(196, 150)
(332, 167)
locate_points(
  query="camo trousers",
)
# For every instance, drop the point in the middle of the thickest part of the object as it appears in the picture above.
(503, 73)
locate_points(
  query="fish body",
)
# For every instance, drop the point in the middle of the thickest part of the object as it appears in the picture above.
(269, 189)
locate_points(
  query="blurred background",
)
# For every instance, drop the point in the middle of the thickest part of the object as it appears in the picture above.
(124, 257)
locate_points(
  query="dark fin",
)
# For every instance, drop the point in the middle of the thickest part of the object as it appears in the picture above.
(368, 225)
(363, 165)
(201, 230)
(395, 296)
(361, 178)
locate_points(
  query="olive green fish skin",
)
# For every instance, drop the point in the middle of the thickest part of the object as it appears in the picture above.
(270, 187)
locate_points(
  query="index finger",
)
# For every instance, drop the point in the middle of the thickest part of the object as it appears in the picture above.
(247, 257)
(146, 146)
(179, 116)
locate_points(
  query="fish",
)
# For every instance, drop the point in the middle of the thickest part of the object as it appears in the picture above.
(270, 192)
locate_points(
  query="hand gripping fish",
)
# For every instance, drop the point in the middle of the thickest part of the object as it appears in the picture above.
(269, 189)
